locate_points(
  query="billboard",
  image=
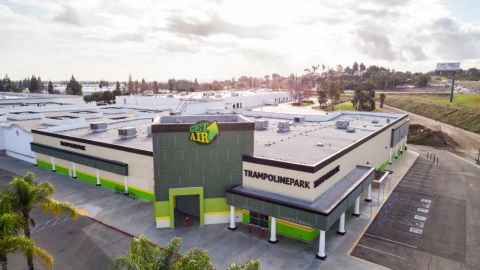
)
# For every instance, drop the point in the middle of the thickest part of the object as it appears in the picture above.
(448, 66)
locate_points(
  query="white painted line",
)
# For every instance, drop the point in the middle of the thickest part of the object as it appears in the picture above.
(422, 210)
(416, 230)
(422, 218)
(426, 200)
(389, 240)
(427, 205)
(383, 252)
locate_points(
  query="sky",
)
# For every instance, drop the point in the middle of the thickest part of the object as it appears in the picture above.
(220, 39)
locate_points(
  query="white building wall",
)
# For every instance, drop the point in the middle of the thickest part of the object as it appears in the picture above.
(16, 142)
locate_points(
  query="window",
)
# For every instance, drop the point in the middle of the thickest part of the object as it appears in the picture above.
(258, 219)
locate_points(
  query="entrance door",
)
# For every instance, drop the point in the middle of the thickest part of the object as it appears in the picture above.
(187, 210)
(258, 219)
(186, 200)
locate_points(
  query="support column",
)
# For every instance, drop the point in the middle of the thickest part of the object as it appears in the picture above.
(401, 145)
(369, 193)
(321, 246)
(390, 156)
(74, 171)
(98, 177)
(125, 183)
(232, 226)
(356, 212)
(341, 224)
(53, 164)
(273, 231)
(396, 151)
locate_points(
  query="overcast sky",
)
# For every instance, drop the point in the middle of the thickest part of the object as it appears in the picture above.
(157, 40)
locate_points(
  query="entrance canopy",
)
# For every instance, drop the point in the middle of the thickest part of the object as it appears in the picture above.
(321, 214)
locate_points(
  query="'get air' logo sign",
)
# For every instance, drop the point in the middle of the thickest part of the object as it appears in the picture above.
(204, 132)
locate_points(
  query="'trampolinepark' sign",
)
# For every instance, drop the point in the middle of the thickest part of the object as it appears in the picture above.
(204, 132)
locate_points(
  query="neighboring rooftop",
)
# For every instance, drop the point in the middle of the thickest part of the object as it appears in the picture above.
(308, 143)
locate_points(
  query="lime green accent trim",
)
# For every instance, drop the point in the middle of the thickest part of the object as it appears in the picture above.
(216, 205)
(161, 208)
(172, 192)
(86, 177)
(44, 164)
(246, 217)
(61, 170)
(297, 232)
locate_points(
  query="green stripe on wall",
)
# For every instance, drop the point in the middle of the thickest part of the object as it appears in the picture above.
(89, 178)
(296, 233)
(216, 205)
(161, 208)
(44, 164)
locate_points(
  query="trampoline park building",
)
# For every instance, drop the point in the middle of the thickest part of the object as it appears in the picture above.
(292, 175)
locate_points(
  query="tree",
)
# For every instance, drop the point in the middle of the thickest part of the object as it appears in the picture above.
(130, 84)
(117, 86)
(146, 256)
(25, 193)
(364, 97)
(10, 239)
(421, 80)
(362, 67)
(155, 87)
(107, 97)
(195, 85)
(33, 84)
(74, 87)
(171, 84)
(322, 94)
(382, 99)
(355, 67)
(143, 86)
(50, 88)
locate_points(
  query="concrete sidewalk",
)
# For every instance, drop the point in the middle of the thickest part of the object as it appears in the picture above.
(137, 217)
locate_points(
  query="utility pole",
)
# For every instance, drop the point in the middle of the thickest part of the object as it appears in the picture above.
(453, 83)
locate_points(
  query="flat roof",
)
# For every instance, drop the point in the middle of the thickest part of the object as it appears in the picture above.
(310, 142)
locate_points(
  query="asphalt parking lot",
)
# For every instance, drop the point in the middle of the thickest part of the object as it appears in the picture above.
(75, 244)
(424, 223)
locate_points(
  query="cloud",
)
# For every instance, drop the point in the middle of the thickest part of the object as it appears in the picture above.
(374, 44)
(177, 47)
(455, 41)
(124, 37)
(214, 25)
(68, 16)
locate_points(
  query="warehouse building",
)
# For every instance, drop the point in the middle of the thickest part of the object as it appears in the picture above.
(291, 175)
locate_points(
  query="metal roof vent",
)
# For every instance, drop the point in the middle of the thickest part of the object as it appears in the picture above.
(351, 130)
(299, 119)
(149, 131)
(375, 121)
(320, 144)
(127, 132)
(342, 124)
(283, 126)
(261, 124)
(97, 127)
(388, 120)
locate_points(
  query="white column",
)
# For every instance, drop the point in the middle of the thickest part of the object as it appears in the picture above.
(341, 224)
(273, 231)
(356, 212)
(98, 177)
(74, 171)
(321, 246)
(369, 193)
(53, 164)
(125, 183)
(232, 226)
(396, 150)
(390, 156)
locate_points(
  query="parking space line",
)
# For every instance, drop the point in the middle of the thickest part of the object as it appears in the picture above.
(383, 252)
(389, 240)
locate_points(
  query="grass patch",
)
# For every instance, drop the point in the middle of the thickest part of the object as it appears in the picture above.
(463, 112)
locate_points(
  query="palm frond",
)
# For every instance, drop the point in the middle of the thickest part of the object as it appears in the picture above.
(57, 208)
(124, 263)
(169, 254)
(44, 256)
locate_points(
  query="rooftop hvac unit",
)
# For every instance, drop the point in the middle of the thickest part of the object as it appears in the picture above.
(261, 124)
(127, 132)
(283, 126)
(98, 127)
(149, 131)
(299, 119)
(351, 129)
(342, 124)
(375, 121)
(176, 113)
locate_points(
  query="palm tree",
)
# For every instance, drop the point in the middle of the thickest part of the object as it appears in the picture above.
(249, 265)
(10, 240)
(146, 256)
(24, 194)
